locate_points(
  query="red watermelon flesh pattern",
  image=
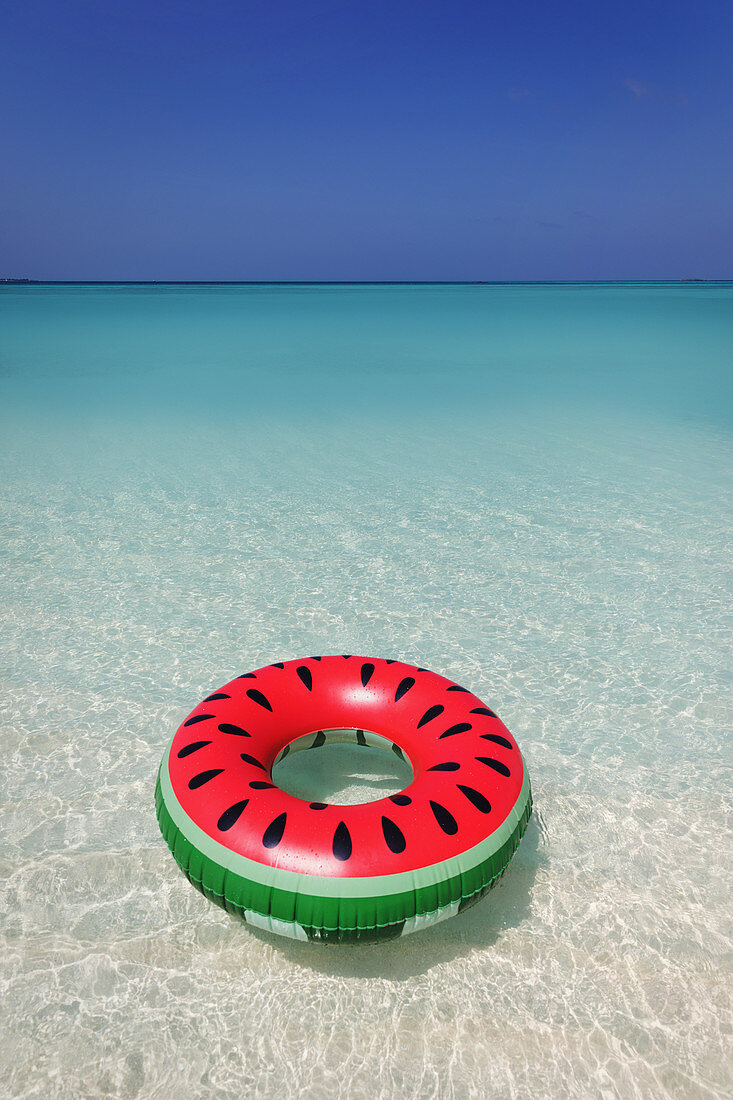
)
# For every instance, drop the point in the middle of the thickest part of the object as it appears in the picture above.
(468, 770)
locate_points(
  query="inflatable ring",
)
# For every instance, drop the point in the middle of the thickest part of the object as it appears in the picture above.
(335, 873)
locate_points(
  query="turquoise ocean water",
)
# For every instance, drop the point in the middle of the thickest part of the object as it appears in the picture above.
(526, 488)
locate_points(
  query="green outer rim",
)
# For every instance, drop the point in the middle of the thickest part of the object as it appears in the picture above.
(329, 909)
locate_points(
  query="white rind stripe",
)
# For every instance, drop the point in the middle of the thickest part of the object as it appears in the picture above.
(328, 886)
(424, 920)
(291, 929)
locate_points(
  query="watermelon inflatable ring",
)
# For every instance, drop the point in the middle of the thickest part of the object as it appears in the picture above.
(334, 873)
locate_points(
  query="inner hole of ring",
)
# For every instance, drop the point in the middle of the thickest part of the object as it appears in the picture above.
(358, 766)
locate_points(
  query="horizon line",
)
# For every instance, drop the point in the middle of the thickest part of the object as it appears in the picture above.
(21, 281)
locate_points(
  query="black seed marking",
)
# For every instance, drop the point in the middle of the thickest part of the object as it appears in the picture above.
(393, 836)
(251, 760)
(446, 820)
(428, 716)
(227, 727)
(398, 751)
(476, 797)
(460, 727)
(484, 710)
(390, 661)
(305, 675)
(403, 688)
(314, 658)
(318, 740)
(285, 752)
(400, 799)
(203, 777)
(367, 671)
(423, 670)
(218, 695)
(456, 687)
(198, 718)
(257, 697)
(278, 664)
(260, 785)
(230, 816)
(247, 676)
(449, 766)
(341, 843)
(497, 765)
(497, 739)
(360, 738)
(318, 805)
(274, 831)
(346, 656)
(192, 748)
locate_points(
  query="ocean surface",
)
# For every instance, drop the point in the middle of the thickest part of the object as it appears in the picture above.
(526, 488)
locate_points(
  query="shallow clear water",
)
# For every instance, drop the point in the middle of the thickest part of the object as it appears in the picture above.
(524, 488)
(341, 771)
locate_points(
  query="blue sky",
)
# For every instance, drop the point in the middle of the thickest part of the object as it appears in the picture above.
(328, 139)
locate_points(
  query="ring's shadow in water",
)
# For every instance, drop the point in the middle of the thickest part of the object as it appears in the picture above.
(343, 773)
(506, 906)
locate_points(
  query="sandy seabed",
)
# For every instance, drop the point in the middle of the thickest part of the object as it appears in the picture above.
(575, 576)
